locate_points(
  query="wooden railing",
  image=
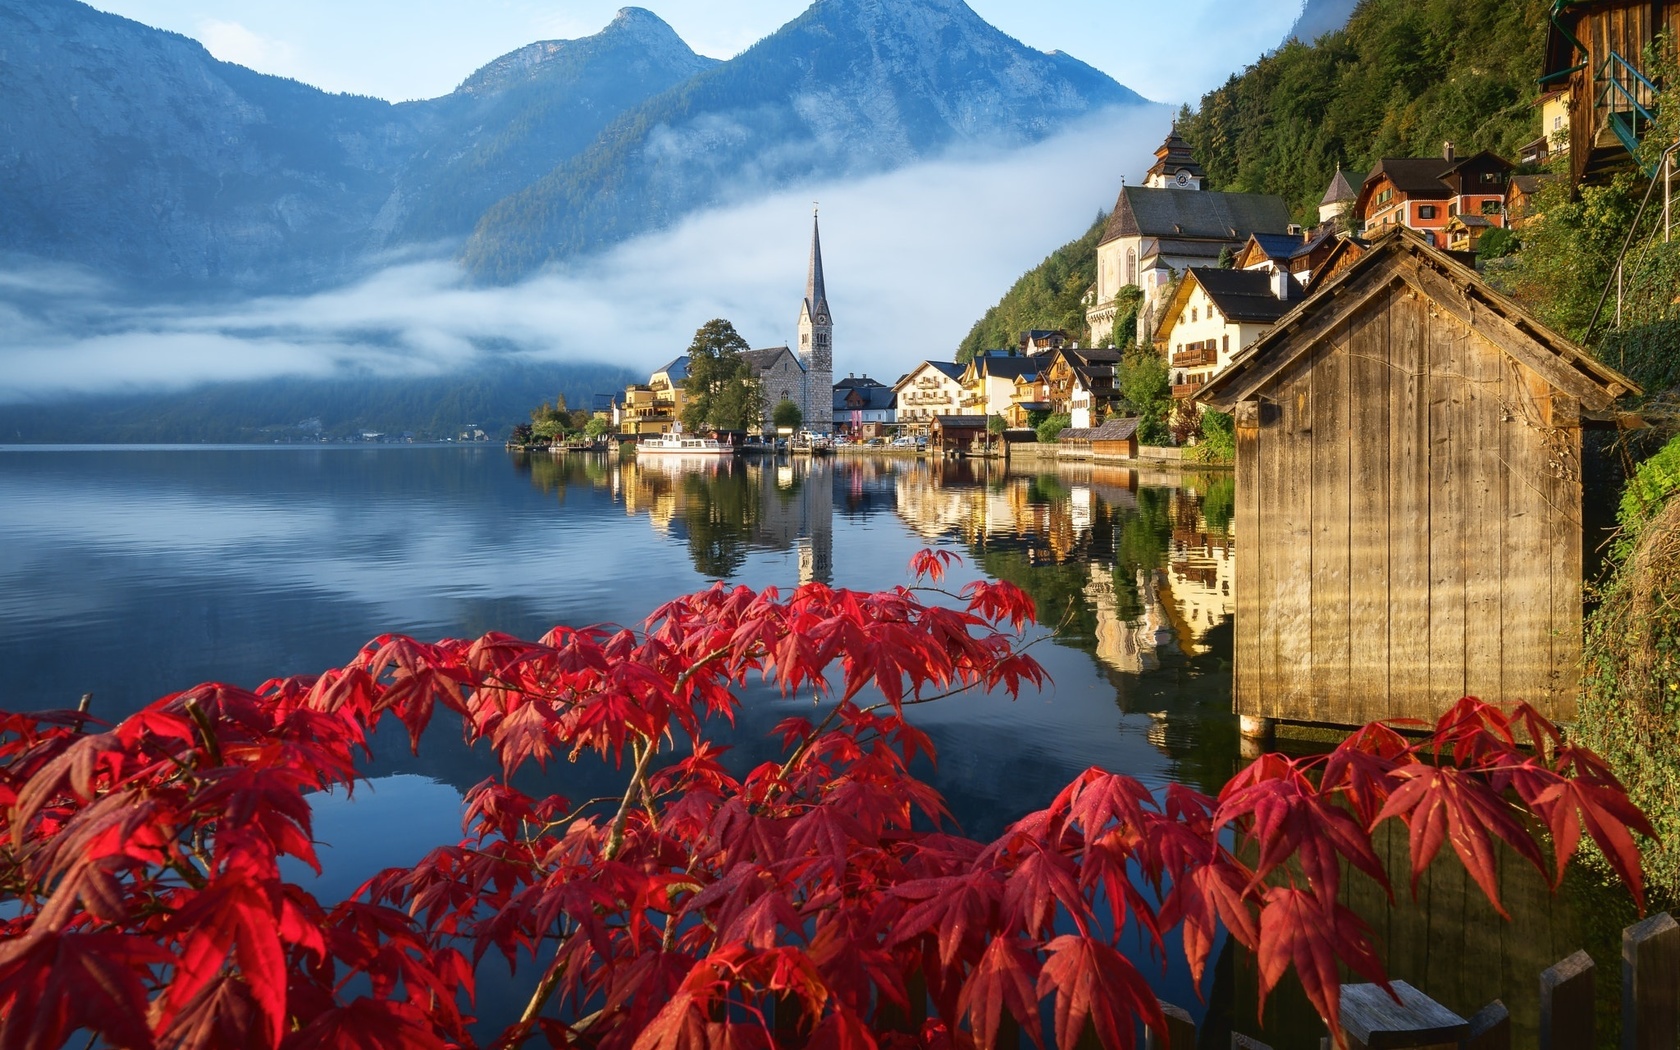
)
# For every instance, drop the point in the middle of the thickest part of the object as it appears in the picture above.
(1197, 356)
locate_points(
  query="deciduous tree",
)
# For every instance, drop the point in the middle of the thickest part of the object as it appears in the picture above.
(807, 901)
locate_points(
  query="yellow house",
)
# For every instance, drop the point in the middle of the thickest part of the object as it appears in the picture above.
(653, 407)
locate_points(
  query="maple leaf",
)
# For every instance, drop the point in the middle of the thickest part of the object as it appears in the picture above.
(54, 983)
(1005, 978)
(1440, 804)
(1299, 929)
(1096, 984)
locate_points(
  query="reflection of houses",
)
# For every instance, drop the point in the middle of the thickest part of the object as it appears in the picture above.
(932, 388)
(1128, 646)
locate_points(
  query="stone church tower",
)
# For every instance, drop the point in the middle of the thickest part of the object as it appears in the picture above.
(816, 347)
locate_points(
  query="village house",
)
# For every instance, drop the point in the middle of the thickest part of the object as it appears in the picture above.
(1081, 383)
(1168, 225)
(1297, 253)
(1425, 194)
(863, 407)
(1215, 315)
(1595, 55)
(1409, 469)
(1030, 402)
(988, 381)
(932, 388)
(1554, 129)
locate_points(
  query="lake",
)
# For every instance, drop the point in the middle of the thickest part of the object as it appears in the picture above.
(131, 572)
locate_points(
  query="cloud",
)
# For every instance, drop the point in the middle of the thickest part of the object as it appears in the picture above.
(911, 258)
(233, 42)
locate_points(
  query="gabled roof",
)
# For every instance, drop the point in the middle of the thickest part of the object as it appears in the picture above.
(1274, 245)
(1007, 367)
(676, 371)
(1480, 157)
(603, 402)
(871, 398)
(1340, 190)
(949, 369)
(1246, 295)
(1417, 177)
(1113, 430)
(761, 361)
(1448, 285)
(1194, 214)
(861, 382)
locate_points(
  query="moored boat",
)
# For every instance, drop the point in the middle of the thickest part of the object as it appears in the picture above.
(683, 445)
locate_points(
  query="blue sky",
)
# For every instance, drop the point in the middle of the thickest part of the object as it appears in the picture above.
(397, 49)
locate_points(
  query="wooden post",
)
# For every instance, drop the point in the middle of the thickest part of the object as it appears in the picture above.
(1180, 1033)
(1651, 984)
(1490, 1029)
(1372, 1019)
(1566, 1004)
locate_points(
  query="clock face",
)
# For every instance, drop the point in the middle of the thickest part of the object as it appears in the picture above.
(1182, 178)
(822, 318)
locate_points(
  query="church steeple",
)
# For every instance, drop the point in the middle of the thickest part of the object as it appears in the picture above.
(816, 298)
(816, 351)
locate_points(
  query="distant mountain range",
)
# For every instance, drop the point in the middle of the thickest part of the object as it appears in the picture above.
(136, 153)
(1319, 17)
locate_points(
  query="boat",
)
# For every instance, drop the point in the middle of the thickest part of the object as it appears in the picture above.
(680, 444)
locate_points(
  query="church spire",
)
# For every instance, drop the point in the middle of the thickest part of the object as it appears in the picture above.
(816, 298)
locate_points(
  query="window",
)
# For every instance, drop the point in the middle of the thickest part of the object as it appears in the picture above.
(1131, 265)
(1385, 196)
(1426, 211)
(1490, 176)
(1227, 345)
(1490, 207)
(1192, 315)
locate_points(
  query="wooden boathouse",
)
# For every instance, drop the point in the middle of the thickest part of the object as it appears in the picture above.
(1408, 482)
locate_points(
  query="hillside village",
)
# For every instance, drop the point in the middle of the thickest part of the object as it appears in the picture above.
(1195, 276)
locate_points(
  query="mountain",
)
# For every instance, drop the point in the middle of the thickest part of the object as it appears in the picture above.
(848, 88)
(137, 153)
(1318, 17)
(529, 111)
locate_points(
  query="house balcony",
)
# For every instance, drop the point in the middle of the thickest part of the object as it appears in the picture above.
(1191, 384)
(1192, 358)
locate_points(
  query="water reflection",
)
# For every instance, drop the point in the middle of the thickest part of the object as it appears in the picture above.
(134, 573)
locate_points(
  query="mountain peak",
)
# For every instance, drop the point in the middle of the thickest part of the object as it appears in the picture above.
(633, 27)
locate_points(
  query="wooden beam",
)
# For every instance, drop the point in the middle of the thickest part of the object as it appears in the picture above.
(1180, 1033)
(1566, 1004)
(1248, 375)
(1482, 316)
(1651, 984)
(1490, 1029)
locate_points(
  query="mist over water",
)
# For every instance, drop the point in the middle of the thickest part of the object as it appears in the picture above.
(913, 258)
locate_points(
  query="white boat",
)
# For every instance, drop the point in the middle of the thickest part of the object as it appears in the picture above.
(680, 444)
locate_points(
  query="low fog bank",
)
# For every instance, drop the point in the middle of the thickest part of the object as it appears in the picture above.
(912, 259)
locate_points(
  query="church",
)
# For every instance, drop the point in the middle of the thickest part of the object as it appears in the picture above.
(806, 378)
(1166, 226)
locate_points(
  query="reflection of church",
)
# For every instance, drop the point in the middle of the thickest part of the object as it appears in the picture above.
(743, 505)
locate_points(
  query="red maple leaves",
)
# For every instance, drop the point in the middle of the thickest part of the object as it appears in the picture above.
(812, 901)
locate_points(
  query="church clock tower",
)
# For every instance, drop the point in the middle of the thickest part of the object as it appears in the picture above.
(816, 348)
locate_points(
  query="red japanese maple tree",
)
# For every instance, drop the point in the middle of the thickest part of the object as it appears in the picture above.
(822, 900)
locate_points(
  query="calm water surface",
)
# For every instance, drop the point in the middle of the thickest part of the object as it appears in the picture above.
(129, 573)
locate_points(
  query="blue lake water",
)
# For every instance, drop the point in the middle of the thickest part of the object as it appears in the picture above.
(129, 573)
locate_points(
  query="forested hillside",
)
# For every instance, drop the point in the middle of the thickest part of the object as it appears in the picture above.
(1050, 295)
(1403, 77)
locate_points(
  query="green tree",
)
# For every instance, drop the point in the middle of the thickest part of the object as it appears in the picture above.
(1053, 424)
(1146, 390)
(787, 414)
(596, 427)
(995, 424)
(721, 391)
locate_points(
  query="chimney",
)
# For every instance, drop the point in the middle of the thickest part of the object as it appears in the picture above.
(1280, 284)
(1447, 151)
